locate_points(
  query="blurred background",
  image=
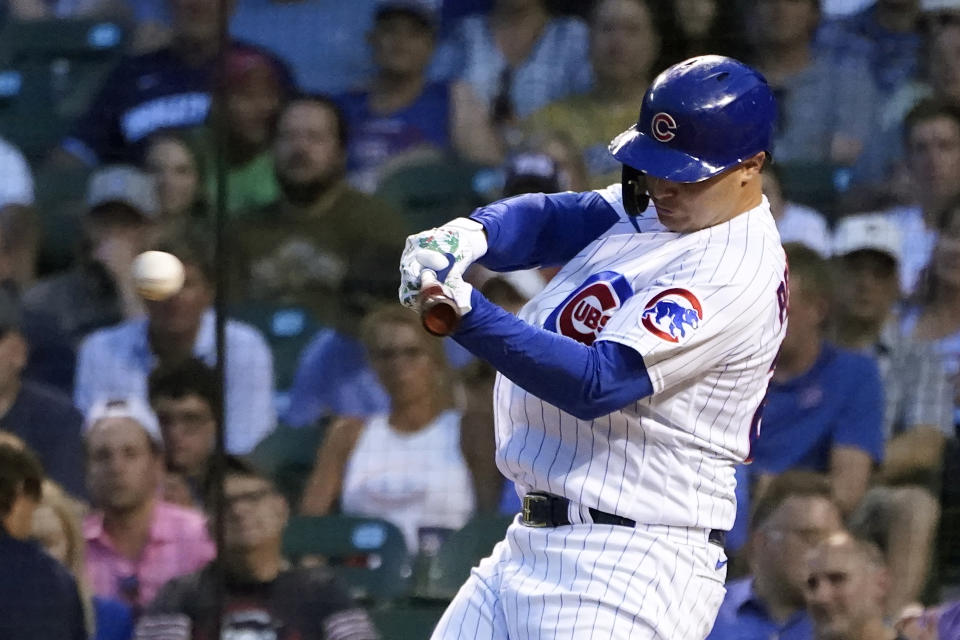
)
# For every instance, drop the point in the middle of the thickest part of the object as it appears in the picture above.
(359, 484)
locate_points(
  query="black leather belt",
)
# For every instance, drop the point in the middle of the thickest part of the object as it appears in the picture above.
(546, 510)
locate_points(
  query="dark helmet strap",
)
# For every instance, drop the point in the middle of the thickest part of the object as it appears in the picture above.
(635, 198)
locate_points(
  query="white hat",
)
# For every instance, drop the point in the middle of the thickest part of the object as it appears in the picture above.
(130, 407)
(870, 231)
(125, 184)
(16, 185)
(939, 5)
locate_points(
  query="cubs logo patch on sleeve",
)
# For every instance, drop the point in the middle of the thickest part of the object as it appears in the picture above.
(672, 314)
(584, 313)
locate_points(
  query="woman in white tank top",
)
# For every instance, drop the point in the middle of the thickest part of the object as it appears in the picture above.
(406, 466)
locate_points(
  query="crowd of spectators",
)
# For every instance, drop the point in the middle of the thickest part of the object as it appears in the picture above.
(341, 127)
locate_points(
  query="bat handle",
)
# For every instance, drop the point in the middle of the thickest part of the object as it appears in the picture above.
(439, 313)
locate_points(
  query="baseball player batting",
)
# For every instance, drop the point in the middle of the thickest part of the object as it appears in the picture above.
(632, 384)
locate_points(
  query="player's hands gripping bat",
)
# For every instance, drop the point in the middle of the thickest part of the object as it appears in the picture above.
(445, 252)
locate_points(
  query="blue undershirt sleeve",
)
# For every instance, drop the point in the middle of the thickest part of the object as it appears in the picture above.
(539, 229)
(585, 381)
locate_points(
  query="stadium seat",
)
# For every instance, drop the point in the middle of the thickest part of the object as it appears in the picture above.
(50, 70)
(287, 328)
(439, 577)
(407, 620)
(288, 454)
(368, 554)
(430, 190)
(816, 185)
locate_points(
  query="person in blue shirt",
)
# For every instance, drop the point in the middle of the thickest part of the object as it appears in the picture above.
(824, 407)
(794, 514)
(169, 88)
(400, 110)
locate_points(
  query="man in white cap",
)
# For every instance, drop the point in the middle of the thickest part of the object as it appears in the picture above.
(135, 542)
(918, 414)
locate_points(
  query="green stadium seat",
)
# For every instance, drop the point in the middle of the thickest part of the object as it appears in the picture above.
(811, 184)
(368, 554)
(287, 328)
(287, 455)
(430, 190)
(407, 620)
(61, 65)
(441, 576)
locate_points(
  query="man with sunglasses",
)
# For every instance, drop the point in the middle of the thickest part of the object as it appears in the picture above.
(265, 596)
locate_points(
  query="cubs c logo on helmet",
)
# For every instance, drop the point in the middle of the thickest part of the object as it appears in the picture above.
(585, 312)
(663, 126)
(672, 315)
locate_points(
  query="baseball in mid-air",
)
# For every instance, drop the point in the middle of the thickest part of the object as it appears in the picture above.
(157, 275)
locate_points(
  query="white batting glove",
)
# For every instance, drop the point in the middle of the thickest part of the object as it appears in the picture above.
(459, 290)
(447, 251)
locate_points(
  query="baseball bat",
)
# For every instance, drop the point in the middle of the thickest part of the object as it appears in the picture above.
(439, 314)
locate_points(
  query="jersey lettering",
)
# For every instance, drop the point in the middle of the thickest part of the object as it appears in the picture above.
(585, 312)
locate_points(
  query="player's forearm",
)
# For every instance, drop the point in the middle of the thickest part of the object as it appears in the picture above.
(587, 382)
(539, 230)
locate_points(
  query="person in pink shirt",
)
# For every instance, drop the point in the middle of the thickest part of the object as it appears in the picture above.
(135, 541)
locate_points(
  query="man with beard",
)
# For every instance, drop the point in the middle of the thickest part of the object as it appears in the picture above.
(321, 245)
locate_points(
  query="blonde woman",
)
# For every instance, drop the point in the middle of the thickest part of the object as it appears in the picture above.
(56, 527)
(406, 466)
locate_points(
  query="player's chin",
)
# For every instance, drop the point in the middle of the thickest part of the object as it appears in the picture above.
(672, 220)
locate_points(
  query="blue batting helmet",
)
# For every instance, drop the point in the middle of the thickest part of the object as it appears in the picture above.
(699, 118)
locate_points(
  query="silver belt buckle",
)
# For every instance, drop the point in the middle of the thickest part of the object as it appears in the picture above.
(526, 517)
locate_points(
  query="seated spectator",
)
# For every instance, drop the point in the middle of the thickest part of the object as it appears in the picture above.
(406, 466)
(56, 526)
(185, 397)
(701, 27)
(845, 590)
(321, 41)
(932, 140)
(43, 417)
(135, 542)
(321, 245)
(117, 361)
(38, 597)
(518, 58)
(400, 111)
(826, 103)
(265, 596)
(177, 168)
(917, 419)
(169, 88)
(795, 222)
(824, 409)
(624, 54)
(18, 221)
(792, 516)
(887, 33)
(99, 290)
(256, 88)
(935, 319)
(883, 157)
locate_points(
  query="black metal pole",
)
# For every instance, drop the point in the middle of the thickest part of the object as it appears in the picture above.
(221, 263)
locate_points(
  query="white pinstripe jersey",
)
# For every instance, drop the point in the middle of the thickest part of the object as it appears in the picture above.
(707, 311)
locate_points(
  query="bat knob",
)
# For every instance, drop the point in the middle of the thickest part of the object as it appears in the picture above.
(439, 314)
